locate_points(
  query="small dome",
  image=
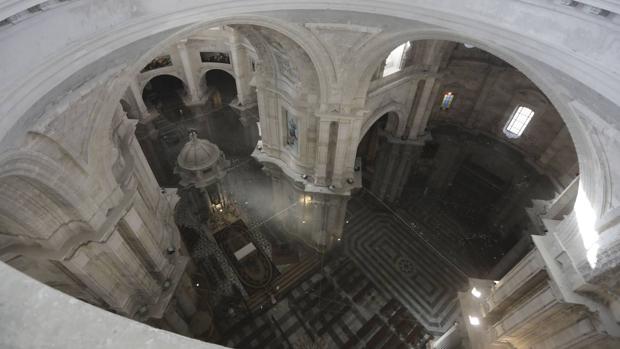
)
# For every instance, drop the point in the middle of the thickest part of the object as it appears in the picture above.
(198, 154)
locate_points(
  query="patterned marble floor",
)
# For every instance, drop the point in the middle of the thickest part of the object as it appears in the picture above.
(338, 307)
(399, 261)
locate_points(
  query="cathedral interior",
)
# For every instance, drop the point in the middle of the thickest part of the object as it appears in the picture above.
(306, 179)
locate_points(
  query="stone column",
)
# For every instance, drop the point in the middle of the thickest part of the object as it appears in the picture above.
(434, 56)
(338, 138)
(324, 218)
(422, 108)
(243, 70)
(137, 96)
(347, 141)
(322, 152)
(312, 213)
(193, 89)
(269, 122)
(396, 159)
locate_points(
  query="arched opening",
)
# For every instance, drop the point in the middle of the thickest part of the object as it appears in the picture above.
(369, 147)
(457, 170)
(233, 228)
(164, 95)
(220, 86)
(163, 137)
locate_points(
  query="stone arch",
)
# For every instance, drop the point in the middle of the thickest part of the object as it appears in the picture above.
(283, 61)
(560, 88)
(591, 165)
(420, 12)
(301, 36)
(207, 69)
(321, 62)
(161, 76)
(36, 207)
(373, 138)
(204, 81)
(397, 117)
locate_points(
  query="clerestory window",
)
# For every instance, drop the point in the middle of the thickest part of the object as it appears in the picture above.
(394, 62)
(446, 102)
(519, 120)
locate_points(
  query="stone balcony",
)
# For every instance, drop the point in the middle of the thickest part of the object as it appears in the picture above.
(520, 281)
(540, 315)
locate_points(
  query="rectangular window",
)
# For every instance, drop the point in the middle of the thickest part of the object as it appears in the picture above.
(519, 120)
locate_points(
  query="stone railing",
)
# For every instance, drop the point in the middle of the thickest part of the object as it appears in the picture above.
(527, 274)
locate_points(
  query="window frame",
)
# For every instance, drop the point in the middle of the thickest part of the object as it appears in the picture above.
(399, 61)
(443, 99)
(509, 127)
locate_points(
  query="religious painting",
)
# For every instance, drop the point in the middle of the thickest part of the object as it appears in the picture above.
(214, 57)
(159, 62)
(292, 133)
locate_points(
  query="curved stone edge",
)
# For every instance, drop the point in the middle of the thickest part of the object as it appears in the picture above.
(37, 316)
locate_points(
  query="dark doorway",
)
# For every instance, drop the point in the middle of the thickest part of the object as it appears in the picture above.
(220, 84)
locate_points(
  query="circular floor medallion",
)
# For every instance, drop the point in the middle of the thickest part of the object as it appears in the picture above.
(405, 266)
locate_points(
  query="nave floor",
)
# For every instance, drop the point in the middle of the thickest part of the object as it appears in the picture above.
(337, 307)
(395, 255)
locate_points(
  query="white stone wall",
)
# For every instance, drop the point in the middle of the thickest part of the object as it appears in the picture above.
(60, 93)
(93, 217)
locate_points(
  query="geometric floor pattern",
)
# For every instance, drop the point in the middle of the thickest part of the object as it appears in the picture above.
(402, 264)
(338, 307)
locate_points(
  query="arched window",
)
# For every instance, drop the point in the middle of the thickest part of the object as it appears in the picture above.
(518, 121)
(446, 102)
(394, 62)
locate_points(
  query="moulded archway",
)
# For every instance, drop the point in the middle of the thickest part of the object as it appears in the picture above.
(221, 80)
(585, 142)
(312, 47)
(161, 86)
(397, 117)
(383, 125)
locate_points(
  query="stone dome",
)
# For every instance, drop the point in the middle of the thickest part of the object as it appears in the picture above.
(198, 154)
